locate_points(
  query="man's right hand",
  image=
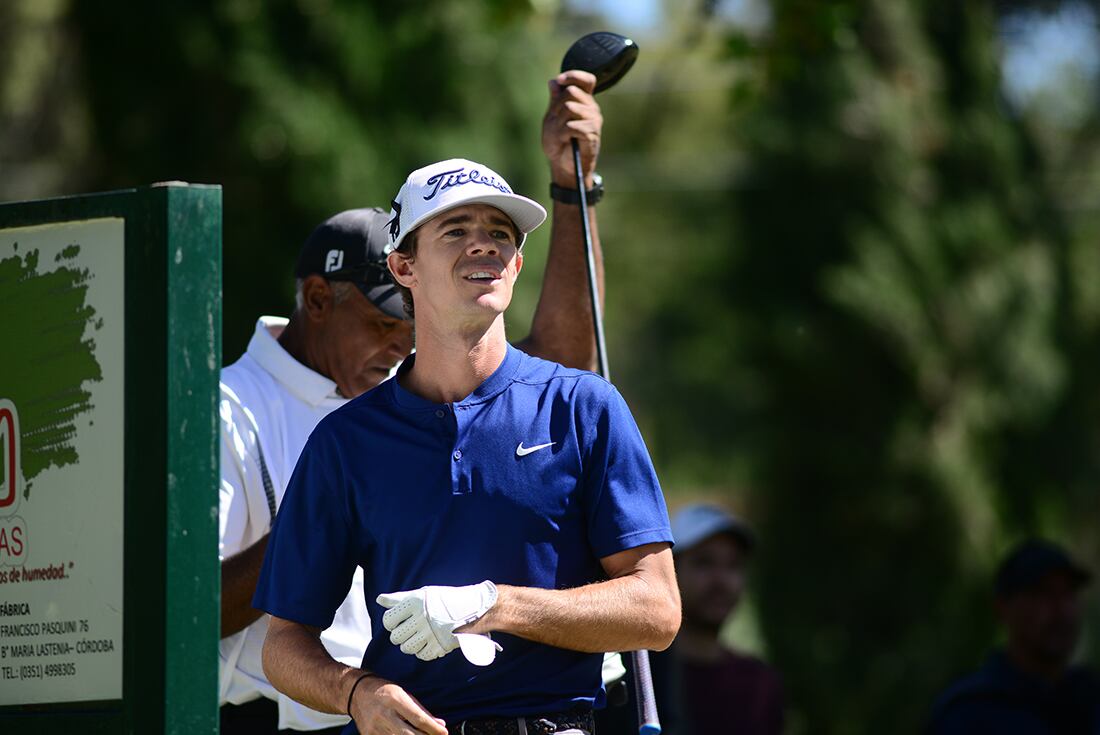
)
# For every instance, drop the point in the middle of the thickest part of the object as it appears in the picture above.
(423, 621)
(573, 113)
(380, 707)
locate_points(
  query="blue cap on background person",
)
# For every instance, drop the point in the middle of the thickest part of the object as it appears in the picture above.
(697, 522)
(1032, 560)
(351, 246)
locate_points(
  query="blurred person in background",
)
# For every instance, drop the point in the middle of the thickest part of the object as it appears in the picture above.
(720, 690)
(1029, 686)
(348, 331)
(703, 687)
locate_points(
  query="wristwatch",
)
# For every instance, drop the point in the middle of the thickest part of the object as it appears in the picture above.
(572, 196)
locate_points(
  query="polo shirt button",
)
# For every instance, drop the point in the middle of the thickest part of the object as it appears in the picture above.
(458, 454)
(439, 413)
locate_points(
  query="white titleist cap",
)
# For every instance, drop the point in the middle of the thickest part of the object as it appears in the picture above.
(454, 183)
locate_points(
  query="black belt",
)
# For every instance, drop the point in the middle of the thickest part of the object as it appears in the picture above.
(529, 725)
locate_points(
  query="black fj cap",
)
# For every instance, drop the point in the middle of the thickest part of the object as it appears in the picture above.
(1029, 562)
(351, 246)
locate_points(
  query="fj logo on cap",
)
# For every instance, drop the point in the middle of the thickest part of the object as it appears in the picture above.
(457, 177)
(334, 261)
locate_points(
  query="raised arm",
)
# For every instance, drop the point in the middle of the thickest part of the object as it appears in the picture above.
(561, 329)
(637, 608)
(297, 664)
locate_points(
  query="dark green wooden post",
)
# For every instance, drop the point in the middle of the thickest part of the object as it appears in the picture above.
(171, 357)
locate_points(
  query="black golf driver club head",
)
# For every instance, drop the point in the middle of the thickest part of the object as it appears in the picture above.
(607, 55)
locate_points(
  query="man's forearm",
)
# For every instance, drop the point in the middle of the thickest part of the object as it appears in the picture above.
(240, 573)
(631, 612)
(562, 326)
(297, 664)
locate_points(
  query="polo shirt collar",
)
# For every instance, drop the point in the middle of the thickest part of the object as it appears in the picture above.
(499, 380)
(299, 380)
(489, 388)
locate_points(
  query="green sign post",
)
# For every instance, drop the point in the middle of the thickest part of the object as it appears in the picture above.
(110, 342)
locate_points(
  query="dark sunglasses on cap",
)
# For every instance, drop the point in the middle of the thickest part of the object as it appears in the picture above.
(365, 277)
(374, 281)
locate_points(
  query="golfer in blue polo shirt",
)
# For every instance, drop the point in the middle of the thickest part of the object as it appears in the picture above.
(501, 506)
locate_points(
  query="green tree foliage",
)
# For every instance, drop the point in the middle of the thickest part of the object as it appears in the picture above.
(43, 123)
(301, 109)
(844, 287)
(887, 343)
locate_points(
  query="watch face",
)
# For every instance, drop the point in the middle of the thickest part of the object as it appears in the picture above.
(572, 196)
(594, 194)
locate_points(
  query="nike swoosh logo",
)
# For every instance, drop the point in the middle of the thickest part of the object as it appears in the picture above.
(522, 451)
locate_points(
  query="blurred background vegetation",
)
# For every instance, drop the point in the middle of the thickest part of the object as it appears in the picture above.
(853, 277)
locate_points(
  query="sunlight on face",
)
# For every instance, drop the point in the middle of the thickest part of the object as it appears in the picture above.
(466, 265)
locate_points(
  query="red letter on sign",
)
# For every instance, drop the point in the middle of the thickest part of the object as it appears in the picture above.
(9, 446)
(13, 541)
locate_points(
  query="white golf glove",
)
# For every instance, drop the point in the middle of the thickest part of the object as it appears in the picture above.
(613, 668)
(422, 621)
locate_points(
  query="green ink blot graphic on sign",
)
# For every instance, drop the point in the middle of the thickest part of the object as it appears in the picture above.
(43, 320)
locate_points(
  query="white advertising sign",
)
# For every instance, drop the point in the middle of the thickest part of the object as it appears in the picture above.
(61, 461)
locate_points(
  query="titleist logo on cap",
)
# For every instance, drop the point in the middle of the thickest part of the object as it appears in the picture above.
(457, 177)
(442, 186)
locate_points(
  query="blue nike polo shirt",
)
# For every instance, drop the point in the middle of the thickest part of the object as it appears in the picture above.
(528, 481)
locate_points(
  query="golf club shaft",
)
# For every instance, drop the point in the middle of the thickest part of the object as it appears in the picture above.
(593, 292)
(648, 724)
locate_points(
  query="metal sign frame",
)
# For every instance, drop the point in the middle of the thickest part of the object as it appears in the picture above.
(172, 356)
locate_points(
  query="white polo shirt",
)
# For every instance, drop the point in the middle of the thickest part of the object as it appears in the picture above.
(271, 400)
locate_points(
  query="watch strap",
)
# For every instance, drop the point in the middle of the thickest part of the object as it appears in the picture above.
(572, 196)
